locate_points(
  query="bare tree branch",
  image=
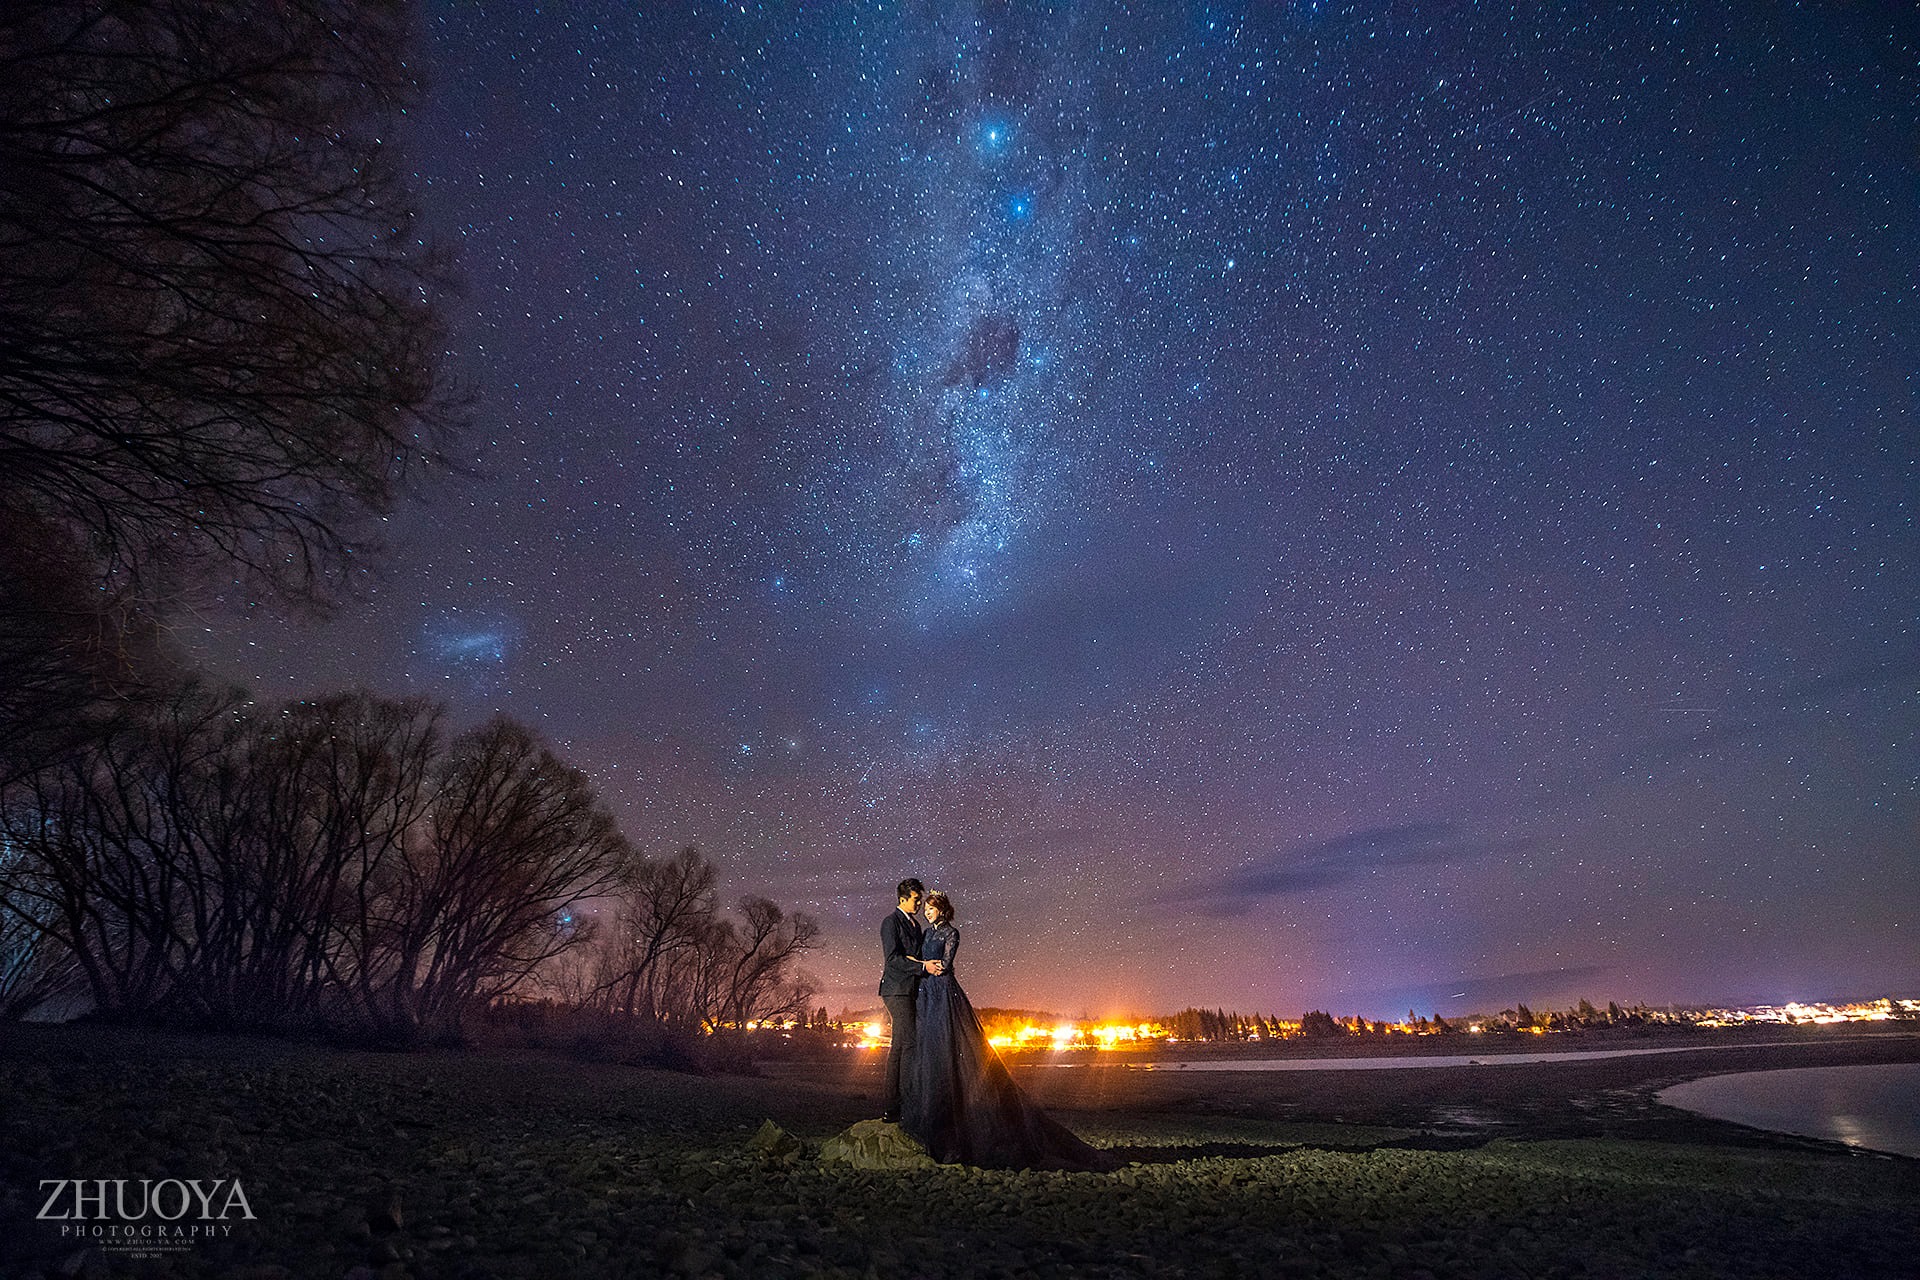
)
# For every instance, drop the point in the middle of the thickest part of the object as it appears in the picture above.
(218, 338)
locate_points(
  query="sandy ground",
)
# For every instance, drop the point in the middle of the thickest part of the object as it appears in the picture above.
(472, 1165)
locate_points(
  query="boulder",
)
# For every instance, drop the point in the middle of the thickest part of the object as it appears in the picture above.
(875, 1144)
(774, 1141)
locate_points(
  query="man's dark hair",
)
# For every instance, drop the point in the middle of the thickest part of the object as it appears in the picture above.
(908, 888)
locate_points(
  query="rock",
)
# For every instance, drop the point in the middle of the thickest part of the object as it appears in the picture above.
(875, 1144)
(697, 1262)
(383, 1213)
(774, 1141)
(669, 1247)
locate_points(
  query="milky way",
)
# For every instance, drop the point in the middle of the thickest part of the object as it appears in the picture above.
(1270, 506)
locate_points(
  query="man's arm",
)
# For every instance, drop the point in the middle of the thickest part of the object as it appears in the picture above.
(901, 963)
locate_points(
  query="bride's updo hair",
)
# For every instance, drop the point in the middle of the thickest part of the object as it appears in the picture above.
(942, 906)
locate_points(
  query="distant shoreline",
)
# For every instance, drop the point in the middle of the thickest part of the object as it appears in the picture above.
(523, 1162)
(1408, 1062)
(1477, 1045)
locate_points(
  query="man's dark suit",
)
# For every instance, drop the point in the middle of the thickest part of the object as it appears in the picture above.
(900, 936)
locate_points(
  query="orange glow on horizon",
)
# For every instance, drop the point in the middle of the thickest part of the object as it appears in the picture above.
(1076, 1035)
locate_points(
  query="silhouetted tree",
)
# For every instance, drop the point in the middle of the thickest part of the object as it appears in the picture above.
(33, 966)
(109, 843)
(333, 862)
(763, 950)
(344, 786)
(76, 655)
(513, 837)
(218, 334)
(1318, 1025)
(667, 958)
(662, 913)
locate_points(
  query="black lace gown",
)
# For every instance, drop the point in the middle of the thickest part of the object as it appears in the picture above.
(960, 1101)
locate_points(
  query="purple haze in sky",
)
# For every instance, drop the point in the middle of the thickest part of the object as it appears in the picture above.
(1271, 506)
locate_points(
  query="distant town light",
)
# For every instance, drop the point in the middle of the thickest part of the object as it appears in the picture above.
(1008, 1032)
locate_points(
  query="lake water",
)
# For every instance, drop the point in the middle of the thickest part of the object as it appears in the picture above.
(1400, 1063)
(1875, 1107)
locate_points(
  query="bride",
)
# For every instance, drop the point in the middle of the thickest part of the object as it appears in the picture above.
(960, 1100)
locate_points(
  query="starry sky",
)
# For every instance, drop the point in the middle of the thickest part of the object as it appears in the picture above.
(1275, 505)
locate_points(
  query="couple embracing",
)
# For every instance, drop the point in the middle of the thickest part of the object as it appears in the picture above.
(945, 1084)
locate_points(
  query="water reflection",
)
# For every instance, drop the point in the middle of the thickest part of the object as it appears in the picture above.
(1398, 1063)
(1872, 1107)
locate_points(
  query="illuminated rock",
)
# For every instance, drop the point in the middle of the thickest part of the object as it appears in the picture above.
(875, 1144)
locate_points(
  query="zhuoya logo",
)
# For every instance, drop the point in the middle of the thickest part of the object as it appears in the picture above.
(121, 1209)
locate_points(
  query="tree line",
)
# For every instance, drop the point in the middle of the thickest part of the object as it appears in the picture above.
(1219, 1024)
(354, 863)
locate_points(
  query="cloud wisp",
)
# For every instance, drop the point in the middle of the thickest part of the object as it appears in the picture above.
(1323, 864)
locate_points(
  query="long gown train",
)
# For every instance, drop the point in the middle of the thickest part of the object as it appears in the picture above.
(960, 1100)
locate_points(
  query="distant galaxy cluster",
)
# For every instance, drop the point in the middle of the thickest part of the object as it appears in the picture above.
(1271, 506)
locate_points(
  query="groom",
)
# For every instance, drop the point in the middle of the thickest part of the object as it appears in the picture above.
(900, 981)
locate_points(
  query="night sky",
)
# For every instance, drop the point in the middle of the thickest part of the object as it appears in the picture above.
(1276, 506)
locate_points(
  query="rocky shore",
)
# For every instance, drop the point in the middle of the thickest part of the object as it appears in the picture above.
(447, 1164)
